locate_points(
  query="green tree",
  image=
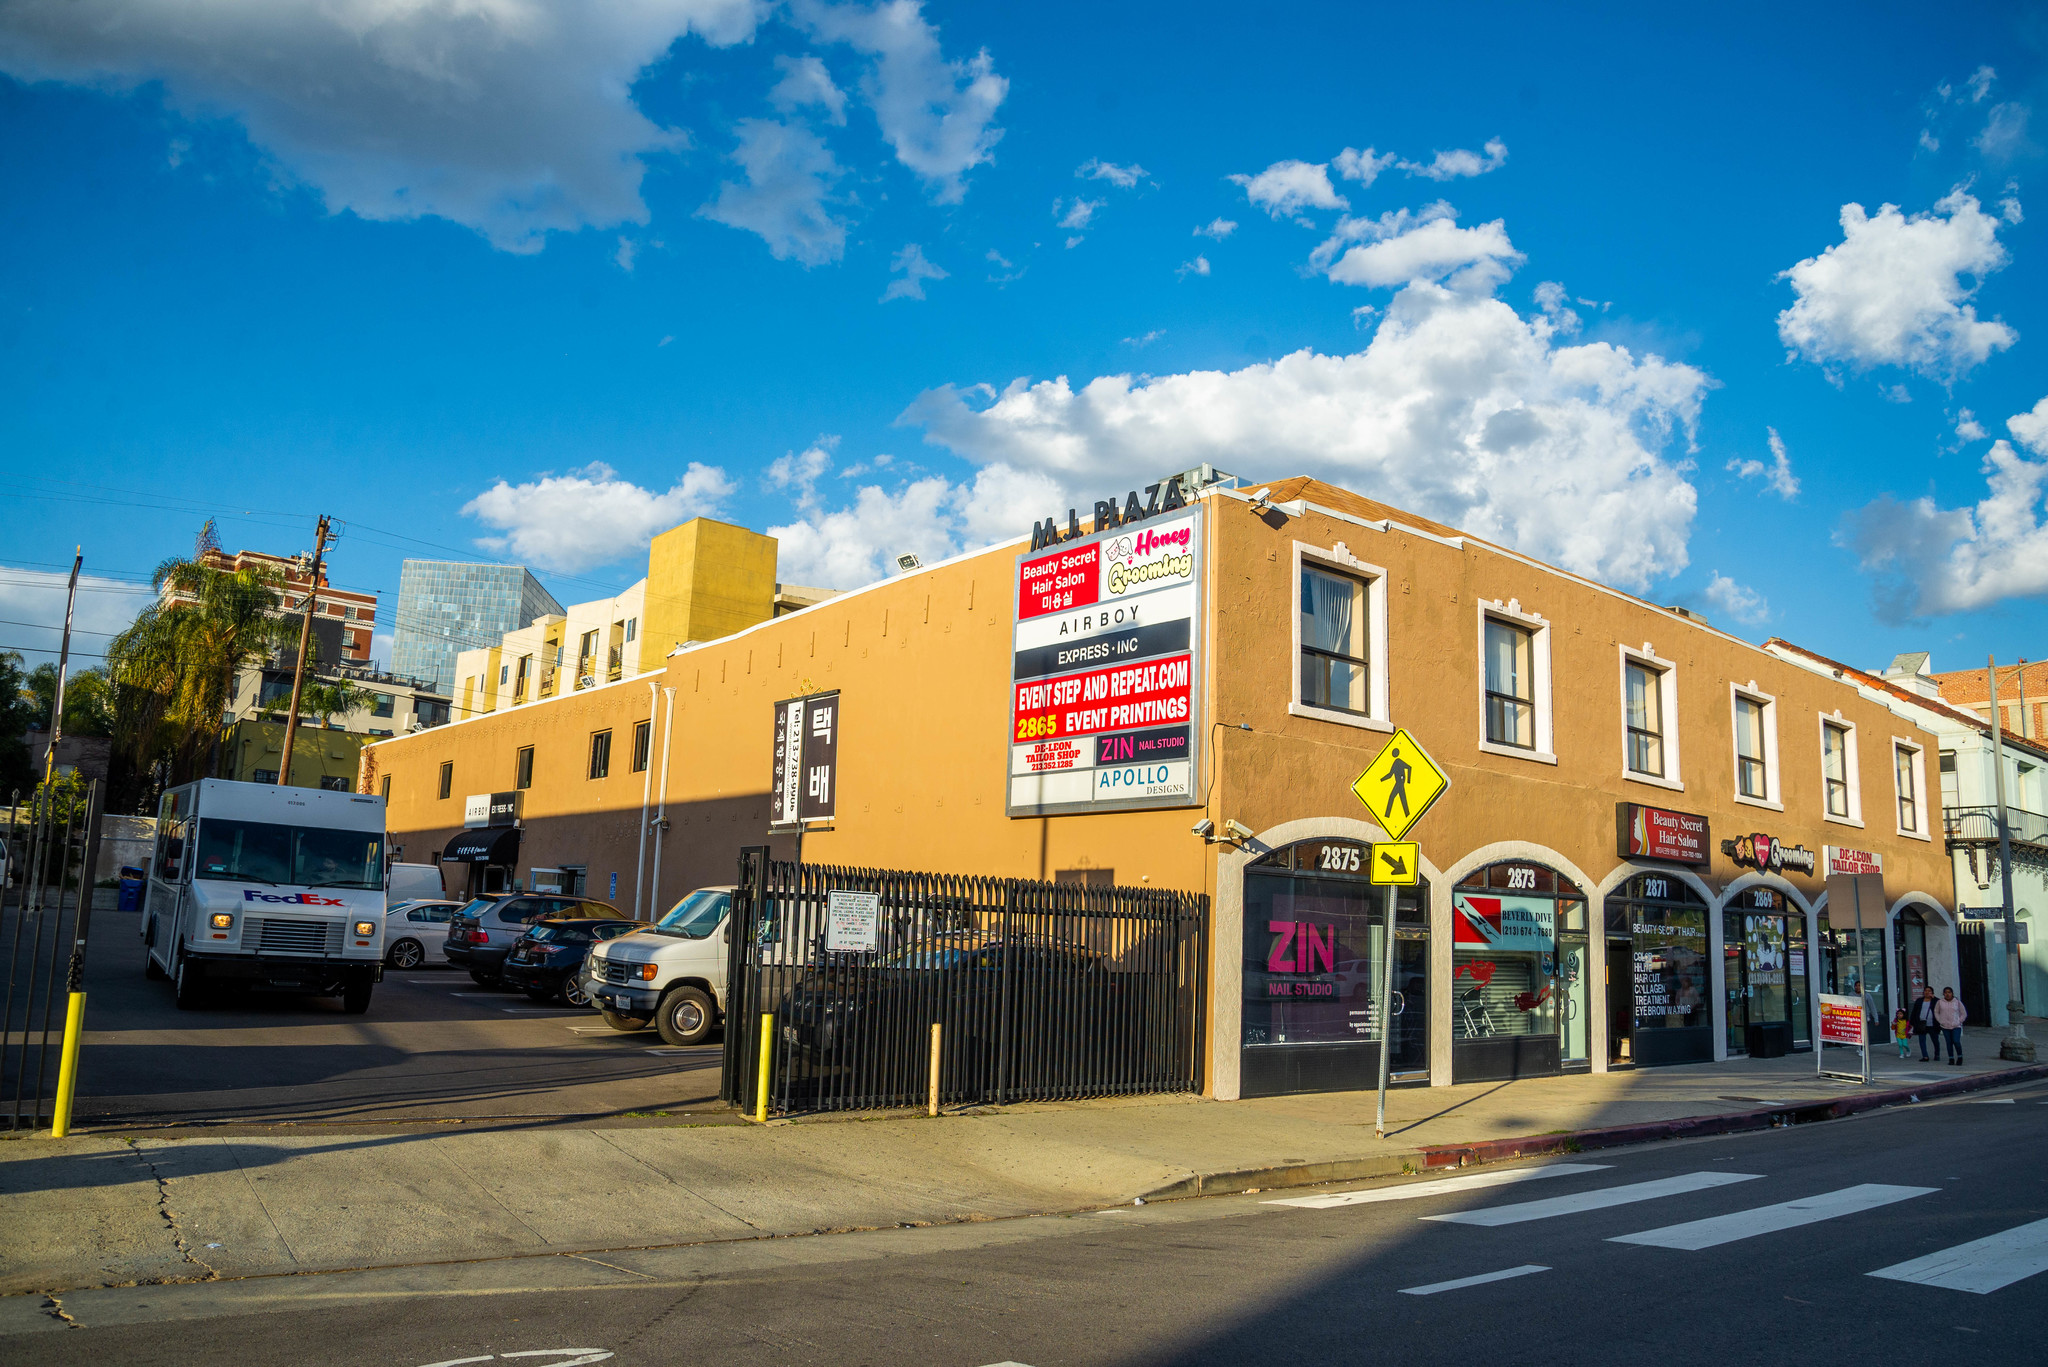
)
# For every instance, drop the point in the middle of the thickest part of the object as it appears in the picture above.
(88, 700)
(17, 714)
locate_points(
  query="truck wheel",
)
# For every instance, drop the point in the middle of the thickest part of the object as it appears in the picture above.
(405, 954)
(185, 990)
(573, 992)
(355, 997)
(621, 1023)
(684, 1017)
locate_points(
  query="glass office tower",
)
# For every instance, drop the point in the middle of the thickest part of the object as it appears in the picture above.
(448, 606)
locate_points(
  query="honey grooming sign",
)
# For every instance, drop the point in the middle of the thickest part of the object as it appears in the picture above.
(1106, 669)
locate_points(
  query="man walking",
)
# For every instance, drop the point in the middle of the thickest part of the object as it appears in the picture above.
(1397, 774)
(1924, 1027)
(1950, 1014)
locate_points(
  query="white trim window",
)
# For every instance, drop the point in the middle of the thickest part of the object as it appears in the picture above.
(1909, 787)
(1514, 682)
(1841, 779)
(1649, 718)
(1340, 639)
(1755, 749)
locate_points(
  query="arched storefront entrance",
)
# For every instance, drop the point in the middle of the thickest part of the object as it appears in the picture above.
(1314, 955)
(1519, 974)
(1851, 964)
(1764, 973)
(1658, 1007)
(1909, 953)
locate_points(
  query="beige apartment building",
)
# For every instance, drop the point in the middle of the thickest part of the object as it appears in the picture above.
(1625, 870)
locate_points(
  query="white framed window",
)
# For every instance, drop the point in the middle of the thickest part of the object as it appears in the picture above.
(1951, 783)
(1909, 787)
(1340, 639)
(1514, 682)
(1649, 718)
(1755, 746)
(1841, 778)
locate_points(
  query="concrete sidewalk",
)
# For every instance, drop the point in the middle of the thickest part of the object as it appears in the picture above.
(102, 1210)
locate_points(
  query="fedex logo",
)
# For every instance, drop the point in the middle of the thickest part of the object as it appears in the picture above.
(301, 898)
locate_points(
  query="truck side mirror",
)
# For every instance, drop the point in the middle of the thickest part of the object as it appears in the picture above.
(726, 933)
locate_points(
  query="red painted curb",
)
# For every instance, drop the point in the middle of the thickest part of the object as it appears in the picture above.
(1732, 1122)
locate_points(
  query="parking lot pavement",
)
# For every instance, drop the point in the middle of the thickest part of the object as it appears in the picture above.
(434, 1048)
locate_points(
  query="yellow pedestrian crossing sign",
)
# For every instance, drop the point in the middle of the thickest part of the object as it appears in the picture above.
(1397, 863)
(1400, 784)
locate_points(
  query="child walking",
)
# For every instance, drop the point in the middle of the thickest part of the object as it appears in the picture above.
(1902, 1030)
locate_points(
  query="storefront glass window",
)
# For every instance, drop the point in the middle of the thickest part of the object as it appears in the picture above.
(1506, 974)
(1659, 1010)
(1314, 947)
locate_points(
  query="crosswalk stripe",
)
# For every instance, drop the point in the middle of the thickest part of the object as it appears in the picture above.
(1747, 1224)
(1523, 1211)
(1524, 1270)
(1439, 1187)
(1980, 1266)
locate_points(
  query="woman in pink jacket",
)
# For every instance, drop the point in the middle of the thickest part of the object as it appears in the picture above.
(1949, 1014)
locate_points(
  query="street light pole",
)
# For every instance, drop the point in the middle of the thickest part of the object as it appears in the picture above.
(291, 722)
(2015, 1047)
(63, 666)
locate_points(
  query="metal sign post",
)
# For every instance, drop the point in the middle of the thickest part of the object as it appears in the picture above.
(1401, 774)
(1379, 1124)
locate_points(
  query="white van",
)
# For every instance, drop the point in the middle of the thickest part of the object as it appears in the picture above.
(670, 975)
(275, 888)
(413, 883)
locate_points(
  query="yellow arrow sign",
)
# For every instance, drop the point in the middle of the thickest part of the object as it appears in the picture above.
(1397, 863)
(1400, 784)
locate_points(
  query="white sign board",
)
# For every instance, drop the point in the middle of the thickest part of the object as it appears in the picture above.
(476, 810)
(850, 920)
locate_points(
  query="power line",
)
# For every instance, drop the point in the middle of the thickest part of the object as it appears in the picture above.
(40, 626)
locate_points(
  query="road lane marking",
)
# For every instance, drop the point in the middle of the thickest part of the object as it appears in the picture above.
(1993, 1101)
(1747, 1224)
(1524, 1270)
(1981, 1266)
(1604, 1197)
(1438, 1187)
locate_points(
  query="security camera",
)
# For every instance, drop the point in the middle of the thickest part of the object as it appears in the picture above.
(1205, 828)
(1237, 830)
(1262, 499)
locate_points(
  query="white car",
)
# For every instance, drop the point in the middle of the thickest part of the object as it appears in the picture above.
(410, 926)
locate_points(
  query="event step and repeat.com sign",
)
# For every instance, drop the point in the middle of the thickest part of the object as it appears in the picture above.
(1107, 659)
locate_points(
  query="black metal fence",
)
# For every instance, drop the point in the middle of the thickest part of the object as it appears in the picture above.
(51, 840)
(1042, 991)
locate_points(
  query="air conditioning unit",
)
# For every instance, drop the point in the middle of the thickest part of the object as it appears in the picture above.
(586, 680)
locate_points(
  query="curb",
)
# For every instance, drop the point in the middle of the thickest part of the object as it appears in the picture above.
(1398, 1162)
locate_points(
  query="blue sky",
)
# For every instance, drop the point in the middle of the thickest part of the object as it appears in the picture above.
(528, 281)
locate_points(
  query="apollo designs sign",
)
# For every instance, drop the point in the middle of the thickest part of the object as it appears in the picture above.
(1105, 668)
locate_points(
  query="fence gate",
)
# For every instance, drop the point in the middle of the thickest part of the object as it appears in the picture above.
(51, 841)
(1042, 991)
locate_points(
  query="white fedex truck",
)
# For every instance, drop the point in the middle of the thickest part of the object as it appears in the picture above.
(271, 888)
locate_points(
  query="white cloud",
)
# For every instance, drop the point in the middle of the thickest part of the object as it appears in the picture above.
(1079, 212)
(625, 255)
(1929, 560)
(789, 174)
(1734, 600)
(1460, 162)
(932, 518)
(1147, 340)
(105, 607)
(1198, 266)
(1556, 305)
(1362, 167)
(2005, 132)
(1286, 188)
(1777, 476)
(589, 517)
(912, 271)
(1928, 142)
(1980, 83)
(2009, 207)
(1892, 292)
(512, 117)
(1216, 228)
(1390, 224)
(1458, 408)
(801, 470)
(1123, 177)
(805, 83)
(938, 115)
(1476, 259)
(1968, 429)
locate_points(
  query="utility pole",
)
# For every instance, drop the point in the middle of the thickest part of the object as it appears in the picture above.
(2015, 1046)
(63, 665)
(291, 721)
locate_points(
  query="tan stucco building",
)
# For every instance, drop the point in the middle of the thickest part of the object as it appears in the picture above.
(1324, 621)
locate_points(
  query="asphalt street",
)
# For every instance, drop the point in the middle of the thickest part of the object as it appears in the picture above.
(433, 1048)
(1912, 1233)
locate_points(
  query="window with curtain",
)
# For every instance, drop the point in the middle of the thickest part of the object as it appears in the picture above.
(1645, 703)
(1750, 778)
(1909, 796)
(1834, 763)
(1510, 684)
(1334, 661)
(642, 734)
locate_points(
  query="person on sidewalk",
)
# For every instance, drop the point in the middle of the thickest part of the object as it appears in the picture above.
(1950, 1014)
(1902, 1029)
(1923, 1023)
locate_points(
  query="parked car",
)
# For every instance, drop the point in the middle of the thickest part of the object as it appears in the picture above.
(482, 934)
(546, 963)
(409, 926)
(413, 882)
(670, 974)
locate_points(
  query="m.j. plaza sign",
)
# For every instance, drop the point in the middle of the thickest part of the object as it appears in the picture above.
(1160, 498)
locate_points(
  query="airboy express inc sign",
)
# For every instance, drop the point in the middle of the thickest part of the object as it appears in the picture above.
(1106, 659)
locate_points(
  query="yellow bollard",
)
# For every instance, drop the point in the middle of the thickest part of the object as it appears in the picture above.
(761, 1091)
(67, 1066)
(932, 1107)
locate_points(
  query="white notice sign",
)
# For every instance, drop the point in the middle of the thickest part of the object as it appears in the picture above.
(850, 920)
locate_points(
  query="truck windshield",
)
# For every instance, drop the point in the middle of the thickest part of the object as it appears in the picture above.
(293, 856)
(697, 915)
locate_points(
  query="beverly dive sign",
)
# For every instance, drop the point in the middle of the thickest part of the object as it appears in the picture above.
(1105, 667)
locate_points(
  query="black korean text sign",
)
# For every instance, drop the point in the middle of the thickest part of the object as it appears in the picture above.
(805, 782)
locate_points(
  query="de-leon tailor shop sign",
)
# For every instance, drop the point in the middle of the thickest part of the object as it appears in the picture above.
(1106, 659)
